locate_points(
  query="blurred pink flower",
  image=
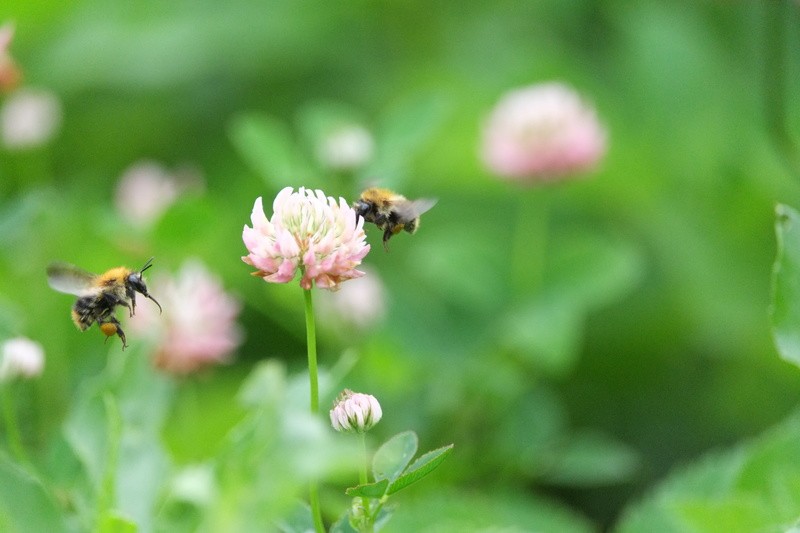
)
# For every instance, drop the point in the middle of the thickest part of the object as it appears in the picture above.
(147, 189)
(10, 74)
(346, 148)
(21, 357)
(361, 303)
(198, 327)
(310, 232)
(29, 118)
(542, 133)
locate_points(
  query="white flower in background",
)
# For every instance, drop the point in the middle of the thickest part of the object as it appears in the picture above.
(346, 148)
(29, 118)
(198, 326)
(21, 357)
(542, 133)
(146, 190)
(194, 484)
(10, 74)
(354, 411)
(360, 303)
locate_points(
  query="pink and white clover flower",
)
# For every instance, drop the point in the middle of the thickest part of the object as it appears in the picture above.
(198, 328)
(542, 133)
(309, 232)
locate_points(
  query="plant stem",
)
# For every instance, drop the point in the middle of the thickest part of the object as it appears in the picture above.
(363, 480)
(14, 436)
(528, 257)
(311, 344)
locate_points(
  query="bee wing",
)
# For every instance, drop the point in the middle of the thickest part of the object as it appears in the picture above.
(70, 279)
(417, 207)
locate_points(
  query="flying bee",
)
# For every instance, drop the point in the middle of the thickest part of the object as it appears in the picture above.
(390, 211)
(100, 294)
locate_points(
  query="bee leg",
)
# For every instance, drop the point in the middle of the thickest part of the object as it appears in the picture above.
(111, 326)
(387, 234)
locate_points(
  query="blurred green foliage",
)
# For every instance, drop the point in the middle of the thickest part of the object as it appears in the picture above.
(575, 342)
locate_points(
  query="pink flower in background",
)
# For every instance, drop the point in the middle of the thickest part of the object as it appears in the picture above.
(147, 189)
(21, 357)
(198, 327)
(361, 303)
(542, 133)
(309, 232)
(29, 118)
(10, 74)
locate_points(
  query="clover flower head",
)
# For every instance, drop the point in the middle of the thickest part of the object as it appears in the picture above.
(29, 118)
(359, 305)
(145, 191)
(310, 233)
(198, 327)
(21, 357)
(543, 132)
(10, 74)
(355, 412)
(347, 147)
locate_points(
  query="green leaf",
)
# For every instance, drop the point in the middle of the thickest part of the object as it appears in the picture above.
(394, 455)
(113, 522)
(369, 490)
(267, 146)
(420, 468)
(299, 520)
(785, 309)
(25, 505)
(590, 459)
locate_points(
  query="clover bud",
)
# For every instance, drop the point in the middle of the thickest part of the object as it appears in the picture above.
(355, 412)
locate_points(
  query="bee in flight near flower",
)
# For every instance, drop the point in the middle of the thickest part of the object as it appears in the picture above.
(390, 211)
(100, 294)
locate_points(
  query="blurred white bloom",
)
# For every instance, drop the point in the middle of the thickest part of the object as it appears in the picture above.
(146, 189)
(359, 303)
(29, 118)
(346, 148)
(354, 411)
(21, 357)
(198, 327)
(542, 133)
(194, 484)
(10, 74)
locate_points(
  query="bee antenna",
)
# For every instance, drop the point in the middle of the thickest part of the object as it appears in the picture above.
(147, 265)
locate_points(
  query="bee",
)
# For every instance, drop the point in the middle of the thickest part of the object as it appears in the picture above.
(391, 212)
(100, 294)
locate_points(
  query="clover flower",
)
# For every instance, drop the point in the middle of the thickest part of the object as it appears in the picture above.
(21, 357)
(198, 326)
(29, 118)
(358, 305)
(354, 411)
(309, 232)
(146, 190)
(542, 133)
(10, 74)
(347, 147)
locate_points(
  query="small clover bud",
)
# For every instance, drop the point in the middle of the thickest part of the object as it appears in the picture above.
(20, 358)
(354, 411)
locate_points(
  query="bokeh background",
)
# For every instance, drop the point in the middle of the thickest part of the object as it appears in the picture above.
(579, 342)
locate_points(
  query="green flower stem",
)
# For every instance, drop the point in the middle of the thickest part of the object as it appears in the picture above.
(14, 436)
(363, 479)
(311, 343)
(528, 259)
